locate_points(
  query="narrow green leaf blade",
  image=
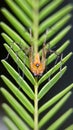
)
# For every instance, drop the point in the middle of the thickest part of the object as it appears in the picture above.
(20, 64)
(69, 127)
(30, 3)
(26, 88)
(25, 7)
(9, 123)
(14, 117)
(55, 28)
(18, 108)
(16, 24)
(54, 69)
(61, 120)
(43, 2)
(55, 99)
(54, 18)
(18, 94)
(17, 48)
(19, 13)
(59, 51)
(49, 9)
(13, 34)
(54, 110)
(59, 36)
(50, 84)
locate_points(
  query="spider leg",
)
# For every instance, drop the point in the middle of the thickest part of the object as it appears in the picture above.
(31, 48)
(31, 54)
(6, 58)
(44, 51)
(58, 56)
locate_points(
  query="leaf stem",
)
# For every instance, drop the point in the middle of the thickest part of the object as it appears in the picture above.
(35, 25)
(36, 108)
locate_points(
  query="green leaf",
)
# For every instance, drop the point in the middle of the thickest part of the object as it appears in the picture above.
(15, 118)
(61, 120)
(20, 28)
(50, 84)
(18, 12)
(9, 123)
(18, 108)
(20, 64)
(54, 18)
(54, 69)
(55, 99)
(70, 127)
(43, 2)
(18, 48)
(20, 96)
(23, 84)
(30, 3)
(55, 28)
(58, 51)
(59, 36)
(25, 7)
(13, 34)
(54, 110)
(49, 9)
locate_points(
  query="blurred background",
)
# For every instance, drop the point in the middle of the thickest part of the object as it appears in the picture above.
(65, 81)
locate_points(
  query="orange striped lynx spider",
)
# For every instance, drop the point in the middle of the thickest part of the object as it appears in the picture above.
(37, 63)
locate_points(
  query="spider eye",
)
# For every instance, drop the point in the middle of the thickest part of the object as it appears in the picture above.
(37, 65)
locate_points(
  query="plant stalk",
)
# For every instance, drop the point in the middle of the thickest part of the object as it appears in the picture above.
(35, 25)
(36, 108)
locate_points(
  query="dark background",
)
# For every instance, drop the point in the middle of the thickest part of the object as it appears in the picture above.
(64, 81)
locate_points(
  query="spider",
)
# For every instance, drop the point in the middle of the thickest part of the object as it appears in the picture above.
(37, 64)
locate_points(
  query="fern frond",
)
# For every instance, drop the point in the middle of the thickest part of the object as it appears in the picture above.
(41, 15)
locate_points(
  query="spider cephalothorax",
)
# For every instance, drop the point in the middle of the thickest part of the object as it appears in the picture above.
(37, 65)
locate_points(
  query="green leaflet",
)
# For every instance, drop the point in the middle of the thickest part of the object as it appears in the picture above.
(25, 7)
(55, 28)
(20, 28)
(19, 80)
(15, 118)
(18, 48)
(9, 123)
(61, 120)
(54, 110)
(54, 18)
(18, 12)
(50, 84)
(55, 99)
(18, 94)
(57, 38)
(30, 3)
(54, 69)
(18, 108)
(49, 9)
(21, 65)
(59, 52)
(43, 2)
(13, 34)
(70, 127)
